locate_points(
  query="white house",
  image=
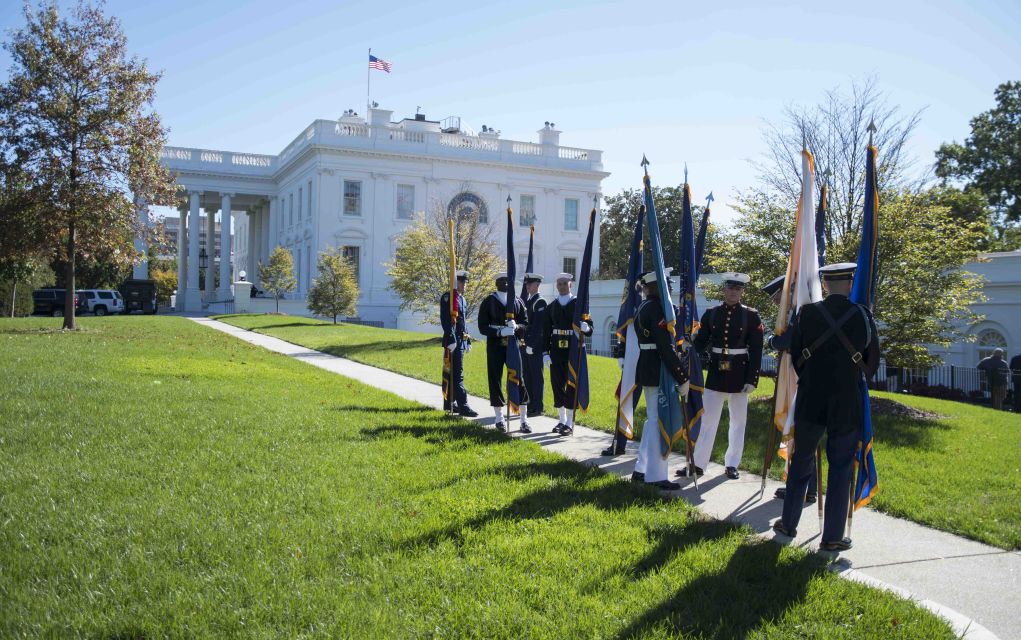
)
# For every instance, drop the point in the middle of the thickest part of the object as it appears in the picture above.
(356, 185)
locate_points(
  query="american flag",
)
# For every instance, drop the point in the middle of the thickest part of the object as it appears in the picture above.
(379, 63)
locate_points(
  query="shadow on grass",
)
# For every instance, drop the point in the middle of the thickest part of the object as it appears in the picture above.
(442, 430)
(354, 407)
(344, 350)
(902, 431)
(309, 325)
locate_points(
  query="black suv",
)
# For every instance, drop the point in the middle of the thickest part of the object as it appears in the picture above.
(50, 302)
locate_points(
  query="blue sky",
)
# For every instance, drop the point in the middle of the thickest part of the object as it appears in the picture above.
(679, 81)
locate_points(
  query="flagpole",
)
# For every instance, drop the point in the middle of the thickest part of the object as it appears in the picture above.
(368, 86)
(818, 484)
(771, 445)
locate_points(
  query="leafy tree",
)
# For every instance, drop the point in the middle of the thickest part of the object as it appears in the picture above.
(923, 296)
(335, 291)
(277, 276)
(166, 283)
(75, 118)
(989, 161)
(617, 226)
(419, 272)
(18, 278)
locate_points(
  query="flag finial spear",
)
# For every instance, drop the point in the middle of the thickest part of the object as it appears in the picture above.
(645, 165)
(595, 201)
(709, 199)
(872, 129)
(508, 200)
(685, 173)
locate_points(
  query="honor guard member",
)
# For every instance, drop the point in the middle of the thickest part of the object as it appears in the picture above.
(498, 330)
(733, 334)
(558, 328)
(655, 346)
(457, 341)
(535, 309)
(834, 344)
(782, 343)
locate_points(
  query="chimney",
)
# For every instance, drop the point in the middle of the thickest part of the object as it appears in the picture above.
(549, 134)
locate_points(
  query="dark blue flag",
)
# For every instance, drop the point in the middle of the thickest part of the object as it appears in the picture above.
(689, 312)
(628, 391)
(528, 263)
(516, 393)
(577, 359)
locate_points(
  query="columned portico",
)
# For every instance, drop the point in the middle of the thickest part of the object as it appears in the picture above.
(225, 248)
(193, 296)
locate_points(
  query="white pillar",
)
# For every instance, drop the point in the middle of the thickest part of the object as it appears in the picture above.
(253, 247)
(208, 292)
(182, 258)
(141, 270)
(269, 244)
(264, 230)
(225, 248)
(193, 298)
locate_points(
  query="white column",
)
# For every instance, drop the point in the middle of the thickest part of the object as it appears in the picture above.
(193, 298)
(274, 218)
(225, 248)
(182, 258)
(141, 270)
(208, 293)
(253, 247)
(264, 230)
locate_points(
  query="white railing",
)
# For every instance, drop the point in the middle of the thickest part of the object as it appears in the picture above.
(353, 130)
(526, 149)
(459, 141)
(251, 160)
(173, 153)
(417, 137)
(211, 156)
(569, 153)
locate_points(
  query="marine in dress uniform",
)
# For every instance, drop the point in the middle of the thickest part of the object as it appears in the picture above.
(656, 346)
(558, 328)
(457, 340)
(732, 332)
(834, 344)
(782, 343)
(535, 309)
(493, 324)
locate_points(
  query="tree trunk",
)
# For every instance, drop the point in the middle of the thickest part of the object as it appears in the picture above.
(334, 318)
(277, 296)
(14, 295)
(69, 279)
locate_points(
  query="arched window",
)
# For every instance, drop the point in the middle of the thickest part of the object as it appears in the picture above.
(465, 204)
(988, 341)
(611, 330)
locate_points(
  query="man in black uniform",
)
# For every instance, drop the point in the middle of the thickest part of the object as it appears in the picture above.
(456, 340)
(1015, 367)
(535, 308)
(656, 346)
(557, 335)
(493, 324)
(834, 344)
(781, 343)
(733, 334)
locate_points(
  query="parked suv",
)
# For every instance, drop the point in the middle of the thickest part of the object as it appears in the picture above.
(48, 302)
(103, 301)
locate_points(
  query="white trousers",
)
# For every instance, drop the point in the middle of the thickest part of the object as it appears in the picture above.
(650, 457)
(737, 409)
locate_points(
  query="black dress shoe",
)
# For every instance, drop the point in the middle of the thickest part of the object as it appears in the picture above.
(665, 484)
(560, 425)
(612, 451)
(637, 477)
(500, 427)
(781, 493)
(840, 545)
(446, 406)
(467, 412)
(784, 531)
(567, 430)
(525, 428)
(810, 498)
(732, 473)
(683, 472)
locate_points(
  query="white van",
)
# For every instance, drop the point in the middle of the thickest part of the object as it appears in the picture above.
(103, 301)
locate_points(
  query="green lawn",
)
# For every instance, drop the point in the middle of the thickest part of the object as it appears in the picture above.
(164, 480)
(960, 473)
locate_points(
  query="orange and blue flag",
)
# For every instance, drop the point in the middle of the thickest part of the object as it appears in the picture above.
(628, 390)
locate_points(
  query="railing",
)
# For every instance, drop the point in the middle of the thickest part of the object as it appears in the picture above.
(459, 141)
(408, 136)
(526, 149)
(378, 324)
(568, 153)
(353, 130)
(223, 306)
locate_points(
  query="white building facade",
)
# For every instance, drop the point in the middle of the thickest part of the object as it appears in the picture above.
(357, 185)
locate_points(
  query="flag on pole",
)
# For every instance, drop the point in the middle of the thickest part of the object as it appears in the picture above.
(700, 243)
(689, 315)
(863, 291)
(669, 405)
(801, 287)
(516, 394)
(528, 263)
(577, 359)
(379, 63)
(820, 226)
(628, 391)
(448, 356)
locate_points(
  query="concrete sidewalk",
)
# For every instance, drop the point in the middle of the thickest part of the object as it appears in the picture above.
(974, 586)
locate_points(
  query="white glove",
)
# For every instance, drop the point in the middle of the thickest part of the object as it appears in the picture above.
(584, 326)
(684, 389)
(528, 350)
(685, 345)
(513, 325)
(748, 388)
(451, 347)
(506, 332)
(546, 361)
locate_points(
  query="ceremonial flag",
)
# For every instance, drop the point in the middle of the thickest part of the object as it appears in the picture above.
(448, 356)
(863, 291)
(379, 63)
(577, 359)
(516, 393)
(689, 318)
(801, 287)
(628, 392)
(700, 243)
(528, 263)
(820, 226)
(669, 405)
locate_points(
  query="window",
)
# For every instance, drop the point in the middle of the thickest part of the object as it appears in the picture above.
(309, 198)
(405, 201)
(105, 295)
(526, 210)
(290, 210)
(308, 266)
(297, 263)
(614, 339)
(465, 205)
(299, 203)
(571, 266)
(352, 198)
(353, 255)
(570, 215)
(988, 341)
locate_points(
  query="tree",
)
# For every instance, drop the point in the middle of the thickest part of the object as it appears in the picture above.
(75, 117)
(278, 275)
(989, 161)
(923, 296)
(335, 291)
(18, 278)
(617, 226)
(419, 272)
(166, 284)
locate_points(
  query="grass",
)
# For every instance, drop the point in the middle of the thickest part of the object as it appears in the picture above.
(960, 472)
(164, 480)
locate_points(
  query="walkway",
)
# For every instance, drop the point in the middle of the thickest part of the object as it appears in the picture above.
(975, 586)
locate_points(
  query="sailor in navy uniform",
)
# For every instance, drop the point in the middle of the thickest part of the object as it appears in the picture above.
(558, 328)
(782, 343)
(535, 309)
(834, 344)
(456, 340)
(733, 334)
(493, 324)
(656, 345)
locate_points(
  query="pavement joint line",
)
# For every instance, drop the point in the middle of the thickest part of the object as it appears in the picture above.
(964, 626)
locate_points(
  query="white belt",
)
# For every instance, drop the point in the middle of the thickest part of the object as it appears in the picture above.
(730, 352)
(648, 345)
(563, 332)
